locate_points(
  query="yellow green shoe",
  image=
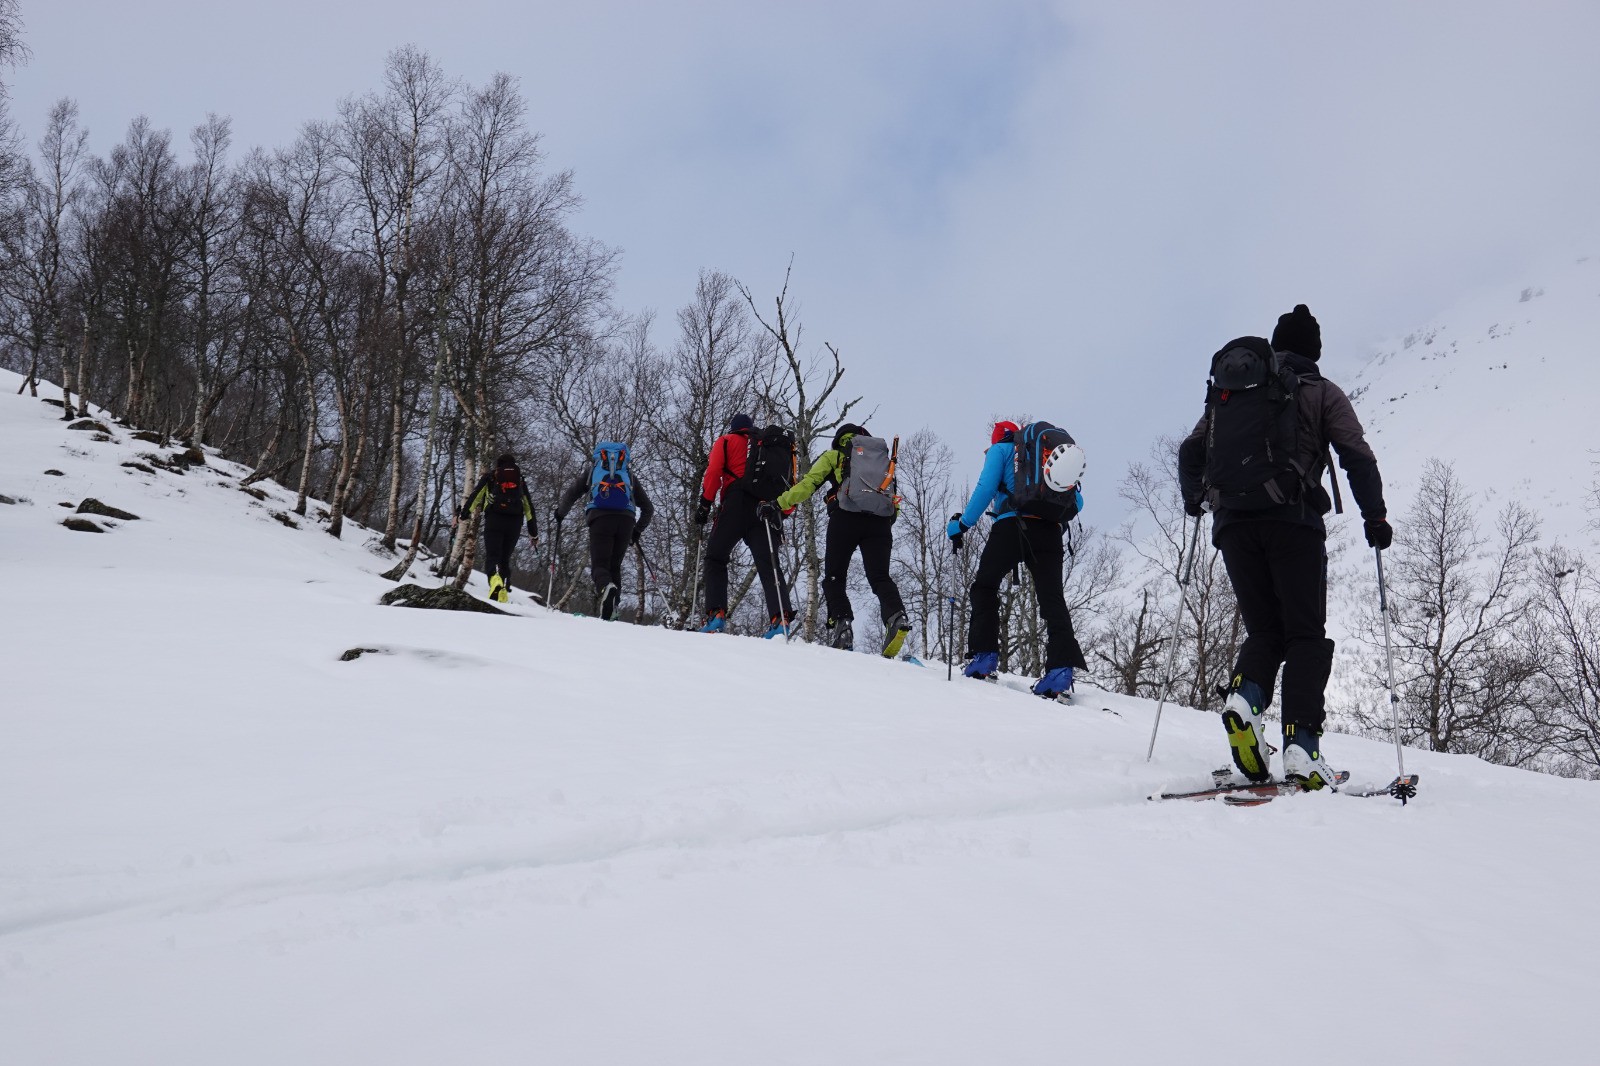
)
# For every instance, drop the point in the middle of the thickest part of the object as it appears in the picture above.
(895, 632)
(1241, 717)
(497, 589)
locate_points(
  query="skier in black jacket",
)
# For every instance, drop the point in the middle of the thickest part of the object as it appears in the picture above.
(1277, 559)
(502, 496)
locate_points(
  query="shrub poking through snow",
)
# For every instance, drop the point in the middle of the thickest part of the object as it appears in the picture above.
(94, 506)
(439, 599)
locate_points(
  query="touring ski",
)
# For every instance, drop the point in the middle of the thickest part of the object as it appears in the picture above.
(1401, 788)
(1225, 785)
(1067, 699)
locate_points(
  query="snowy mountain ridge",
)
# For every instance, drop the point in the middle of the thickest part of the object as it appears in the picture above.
(546, 838)
(1504, 385)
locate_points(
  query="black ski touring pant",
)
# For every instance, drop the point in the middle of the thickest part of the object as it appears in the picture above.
(1279, 572)
(874, 535)
(1037, 543)
(610, 534)
(737, 521)
(500, 533)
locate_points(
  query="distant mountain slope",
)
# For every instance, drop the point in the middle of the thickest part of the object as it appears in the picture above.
(1505, 385)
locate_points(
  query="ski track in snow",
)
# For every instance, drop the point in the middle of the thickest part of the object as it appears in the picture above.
(224, 845)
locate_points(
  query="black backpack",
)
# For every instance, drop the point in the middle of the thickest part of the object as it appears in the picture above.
(1038, 490)
(1252, 430)
(772, 464)
(505, 490)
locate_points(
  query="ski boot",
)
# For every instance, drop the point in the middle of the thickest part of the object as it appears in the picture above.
(610, 596)
(716, 622)
(1303, 763)
(499, 592)
(777, 627)
(983, 665)
(895, 632)
(1055, 684)
(841, 634)
(1241, 717)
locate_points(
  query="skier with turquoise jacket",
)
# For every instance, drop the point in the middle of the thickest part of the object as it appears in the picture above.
(1029, 524)
(859, 472)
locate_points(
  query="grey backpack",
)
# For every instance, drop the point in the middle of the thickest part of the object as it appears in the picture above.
(868, 485)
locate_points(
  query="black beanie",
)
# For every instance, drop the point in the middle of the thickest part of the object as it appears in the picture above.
(506, 460)
(850, 428)
(1298, 332)
(741, 423)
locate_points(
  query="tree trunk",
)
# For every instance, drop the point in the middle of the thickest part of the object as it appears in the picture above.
(80, 379)
(396, 454)
(69, 384)
(422, 473)
(311, 441)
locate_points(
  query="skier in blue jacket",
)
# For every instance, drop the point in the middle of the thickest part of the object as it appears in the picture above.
(1015, 539)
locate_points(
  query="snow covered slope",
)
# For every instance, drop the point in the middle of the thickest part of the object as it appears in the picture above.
(545, 839)
(1506, 386)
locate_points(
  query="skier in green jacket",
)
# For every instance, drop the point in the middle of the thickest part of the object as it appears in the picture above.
(862, 505)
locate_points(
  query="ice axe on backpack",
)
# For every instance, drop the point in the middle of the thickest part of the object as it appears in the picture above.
(1185, 574)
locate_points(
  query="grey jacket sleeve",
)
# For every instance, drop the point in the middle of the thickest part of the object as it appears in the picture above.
(1342, 429)
(568, 498)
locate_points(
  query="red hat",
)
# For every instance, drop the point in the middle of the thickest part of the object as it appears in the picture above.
(1000, 430)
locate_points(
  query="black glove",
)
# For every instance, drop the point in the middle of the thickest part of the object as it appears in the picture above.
(533, 534)
(560, 514)
(768, 512)
(634, 539)
(1194, 508)
(702, 513)
(1380, 534)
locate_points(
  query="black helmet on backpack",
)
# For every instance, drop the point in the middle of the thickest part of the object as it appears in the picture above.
(1242, 363)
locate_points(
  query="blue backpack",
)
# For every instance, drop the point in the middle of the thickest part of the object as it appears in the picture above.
(610, 486)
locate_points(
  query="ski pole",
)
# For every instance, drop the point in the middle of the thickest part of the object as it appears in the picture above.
(950, 644)
(1388, 651)
(1185, 573)
(950, 634)
(694, 596)
(555, 553)
(777, 573)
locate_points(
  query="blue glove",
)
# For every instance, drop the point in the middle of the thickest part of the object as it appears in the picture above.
(955, 530)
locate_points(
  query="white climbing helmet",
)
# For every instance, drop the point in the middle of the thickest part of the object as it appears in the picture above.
(1063, 467)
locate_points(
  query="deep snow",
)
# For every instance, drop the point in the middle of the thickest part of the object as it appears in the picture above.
(548, 839)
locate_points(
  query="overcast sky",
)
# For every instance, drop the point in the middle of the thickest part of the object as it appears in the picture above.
(996, 207)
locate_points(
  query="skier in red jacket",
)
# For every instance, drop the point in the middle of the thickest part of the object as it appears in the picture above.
(736, 520)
